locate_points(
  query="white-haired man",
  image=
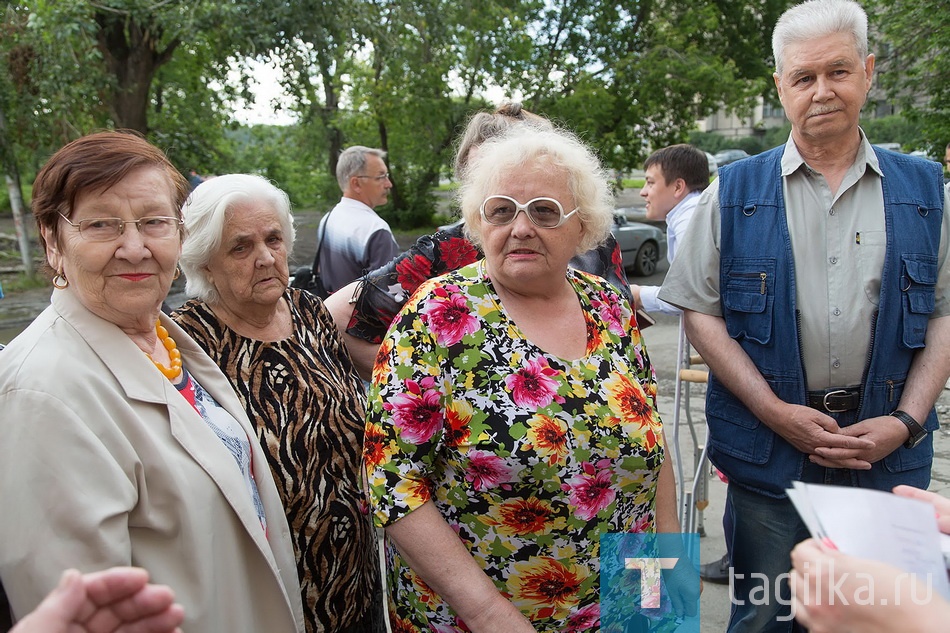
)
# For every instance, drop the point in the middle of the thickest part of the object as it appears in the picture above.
(816, 291)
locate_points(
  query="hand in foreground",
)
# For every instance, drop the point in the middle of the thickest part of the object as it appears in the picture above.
(887, 433)
(117, 600)
(836, 593)
(940, 503)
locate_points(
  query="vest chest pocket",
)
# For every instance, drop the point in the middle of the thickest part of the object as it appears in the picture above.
(748, 294)
(918, 287)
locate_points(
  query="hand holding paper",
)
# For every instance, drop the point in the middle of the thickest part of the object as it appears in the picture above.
(894, 529)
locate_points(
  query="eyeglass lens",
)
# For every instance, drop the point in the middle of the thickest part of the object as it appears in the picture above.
(544, 212)
(104, 229)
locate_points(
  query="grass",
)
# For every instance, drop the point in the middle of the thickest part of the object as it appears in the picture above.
(21, 281)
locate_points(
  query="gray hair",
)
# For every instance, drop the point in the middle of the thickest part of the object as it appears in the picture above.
(205, 212)
(485, 125)
(557, 150)
(352, 162)
(819, 18)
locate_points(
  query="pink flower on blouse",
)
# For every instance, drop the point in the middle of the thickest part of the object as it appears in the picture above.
(590, 491)
(486, 470)
(448, 316)
(533, 385)
(584, 619)
(417, 412)
(611, 312)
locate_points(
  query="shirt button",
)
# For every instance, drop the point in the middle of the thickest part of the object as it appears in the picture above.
(836, 364)
(832, 212)
(833, 260)
(837, 312)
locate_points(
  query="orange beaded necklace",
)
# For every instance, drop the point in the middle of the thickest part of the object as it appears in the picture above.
(174, 371)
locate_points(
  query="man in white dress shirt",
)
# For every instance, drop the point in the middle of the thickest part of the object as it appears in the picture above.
(675, 176)
(355, 239)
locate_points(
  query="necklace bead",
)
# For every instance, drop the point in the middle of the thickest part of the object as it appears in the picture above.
(168, 342)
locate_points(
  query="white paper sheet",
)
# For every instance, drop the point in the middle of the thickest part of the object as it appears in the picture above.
(877, 525)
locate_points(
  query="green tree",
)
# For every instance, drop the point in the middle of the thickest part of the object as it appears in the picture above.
(157, 67)
(123, 45)
(401, 76)
(405, 75)
(912, 43)
(636, 74)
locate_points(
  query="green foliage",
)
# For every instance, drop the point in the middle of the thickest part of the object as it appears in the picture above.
(895, 129)
(712, 142)
(403, 76)
(912, 48)
(69, 67)
(629, 78)
(264, 150)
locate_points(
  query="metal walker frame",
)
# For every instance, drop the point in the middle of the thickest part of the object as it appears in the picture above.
(691, 502)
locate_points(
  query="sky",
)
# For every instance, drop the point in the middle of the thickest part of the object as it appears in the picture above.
(265, 83)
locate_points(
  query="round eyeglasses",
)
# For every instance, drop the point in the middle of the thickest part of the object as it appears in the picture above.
(546, 213)
(108, 229)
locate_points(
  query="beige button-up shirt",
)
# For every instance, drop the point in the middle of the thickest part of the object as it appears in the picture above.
(838, 243)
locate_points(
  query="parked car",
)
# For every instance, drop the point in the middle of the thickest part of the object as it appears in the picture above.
(727, 156)
(713, 164)
(642, 246)
(922, 153)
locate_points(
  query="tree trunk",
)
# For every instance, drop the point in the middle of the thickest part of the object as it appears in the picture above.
(23, 237)
(133, 53)
(16, 197)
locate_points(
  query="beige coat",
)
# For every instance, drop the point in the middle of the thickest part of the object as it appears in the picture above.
(103, 462)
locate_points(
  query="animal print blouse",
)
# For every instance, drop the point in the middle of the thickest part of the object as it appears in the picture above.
(307, 404)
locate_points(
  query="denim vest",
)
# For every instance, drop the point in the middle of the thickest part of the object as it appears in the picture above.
(757, 285)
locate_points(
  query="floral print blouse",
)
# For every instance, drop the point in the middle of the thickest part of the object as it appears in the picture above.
(530, 458)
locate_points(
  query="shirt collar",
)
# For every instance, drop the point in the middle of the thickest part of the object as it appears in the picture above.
(354, 204)
(792, 160)
(679, 205)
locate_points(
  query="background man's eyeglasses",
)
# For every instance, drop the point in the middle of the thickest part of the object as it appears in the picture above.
(108, 229)
(380, 177)
(546, 213)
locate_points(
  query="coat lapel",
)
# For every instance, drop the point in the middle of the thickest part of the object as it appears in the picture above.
(140, 380)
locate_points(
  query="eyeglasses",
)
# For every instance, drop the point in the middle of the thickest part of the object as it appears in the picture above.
(546, 213)
(380, 177)
(108, 229)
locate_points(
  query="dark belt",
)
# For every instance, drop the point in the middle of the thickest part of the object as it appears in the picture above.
(835, 400)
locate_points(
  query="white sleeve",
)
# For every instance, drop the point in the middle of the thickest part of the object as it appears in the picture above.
(652, 303)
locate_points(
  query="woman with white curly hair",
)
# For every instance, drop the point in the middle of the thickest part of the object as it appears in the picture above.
(512, 418)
